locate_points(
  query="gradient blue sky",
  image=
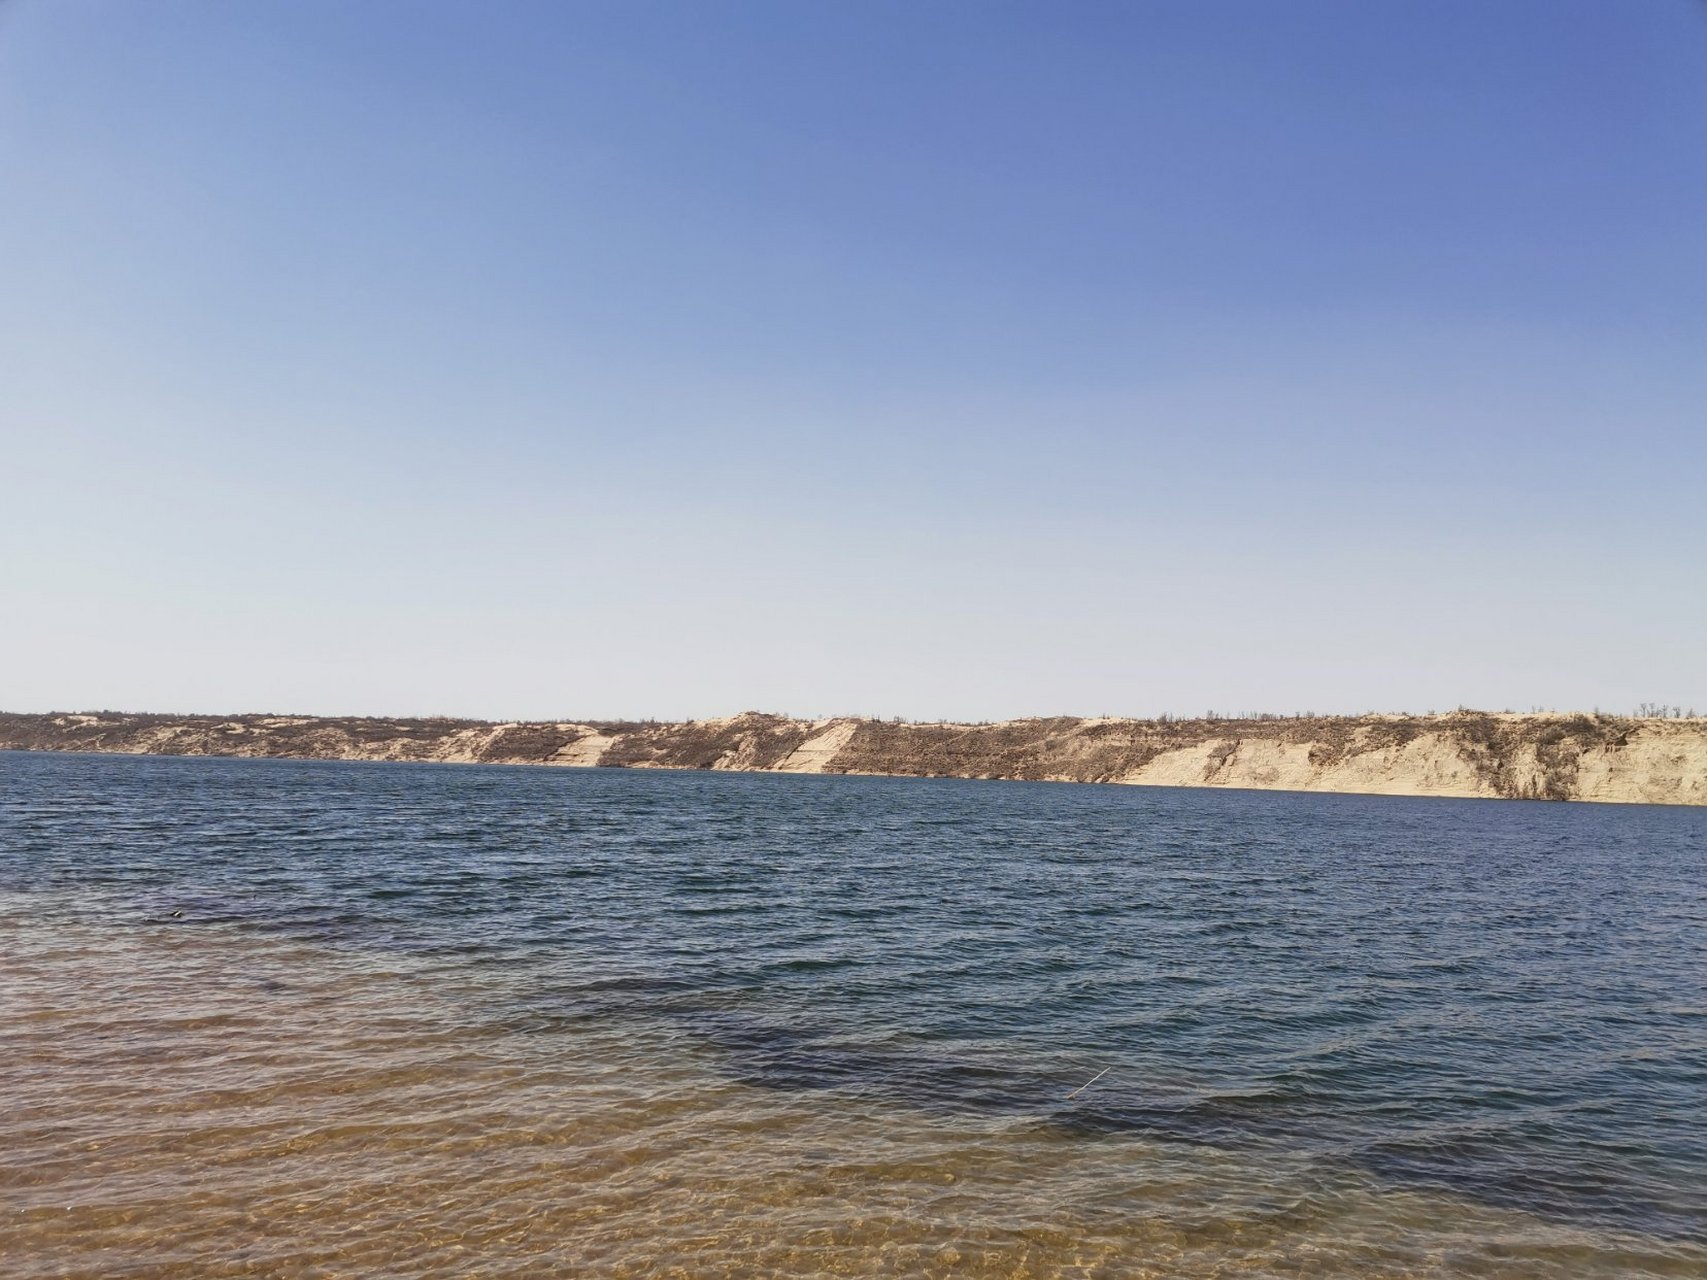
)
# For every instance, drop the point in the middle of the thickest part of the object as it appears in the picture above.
(931, 359)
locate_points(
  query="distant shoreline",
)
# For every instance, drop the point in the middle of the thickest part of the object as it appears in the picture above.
(1542, 756)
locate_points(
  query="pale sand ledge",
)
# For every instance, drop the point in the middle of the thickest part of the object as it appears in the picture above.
(1429, 765)
(1577, 757)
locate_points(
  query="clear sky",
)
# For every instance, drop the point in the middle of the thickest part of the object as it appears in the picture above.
(925, 359)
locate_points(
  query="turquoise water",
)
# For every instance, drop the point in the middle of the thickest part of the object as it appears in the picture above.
(1385, 1031)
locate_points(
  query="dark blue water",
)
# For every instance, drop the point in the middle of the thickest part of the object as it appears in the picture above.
(1505, 1000)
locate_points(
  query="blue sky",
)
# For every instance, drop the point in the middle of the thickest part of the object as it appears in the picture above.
(936, 360)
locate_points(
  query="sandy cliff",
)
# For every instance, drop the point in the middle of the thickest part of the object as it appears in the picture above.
(1554, 757)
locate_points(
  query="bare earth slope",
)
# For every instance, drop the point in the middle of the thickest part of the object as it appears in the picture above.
(1552, 757)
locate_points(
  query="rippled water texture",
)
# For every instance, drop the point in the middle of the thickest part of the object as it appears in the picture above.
(299, 1018)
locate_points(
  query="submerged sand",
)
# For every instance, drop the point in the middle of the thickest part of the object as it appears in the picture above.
(205, 1102)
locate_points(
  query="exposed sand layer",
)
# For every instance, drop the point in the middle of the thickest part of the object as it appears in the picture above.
(584, 752)
(818, 753)
(1550, 757)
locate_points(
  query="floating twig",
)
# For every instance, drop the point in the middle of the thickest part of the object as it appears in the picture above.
(1087, 1084)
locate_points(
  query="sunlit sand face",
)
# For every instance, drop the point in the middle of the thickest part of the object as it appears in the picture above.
(205, 1102)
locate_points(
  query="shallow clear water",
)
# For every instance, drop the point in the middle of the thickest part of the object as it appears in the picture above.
(289, 1017)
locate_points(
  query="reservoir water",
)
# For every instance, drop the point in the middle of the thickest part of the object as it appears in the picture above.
(308, 1018)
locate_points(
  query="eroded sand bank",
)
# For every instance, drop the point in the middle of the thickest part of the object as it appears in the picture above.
(1556, 757)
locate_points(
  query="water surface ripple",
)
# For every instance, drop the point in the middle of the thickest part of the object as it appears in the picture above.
(410, 1017)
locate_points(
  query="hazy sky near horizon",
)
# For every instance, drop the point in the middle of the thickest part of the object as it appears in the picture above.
(925, 359)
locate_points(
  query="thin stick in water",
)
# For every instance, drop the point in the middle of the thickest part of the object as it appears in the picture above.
(1087, 1084)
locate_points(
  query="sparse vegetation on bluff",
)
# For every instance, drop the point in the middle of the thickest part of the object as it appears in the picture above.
(1464, 753)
